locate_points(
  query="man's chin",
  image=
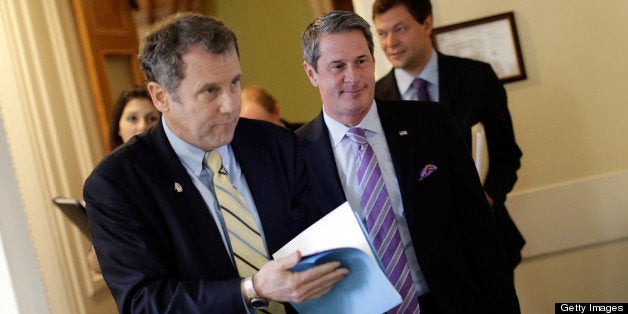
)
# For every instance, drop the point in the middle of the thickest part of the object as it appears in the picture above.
(223, 139)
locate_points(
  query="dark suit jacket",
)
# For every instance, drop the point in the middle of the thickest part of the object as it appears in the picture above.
(291, 125)
(452, 228)
(160, 250)
(472, 93)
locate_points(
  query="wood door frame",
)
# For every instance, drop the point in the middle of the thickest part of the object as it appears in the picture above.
(101, 39)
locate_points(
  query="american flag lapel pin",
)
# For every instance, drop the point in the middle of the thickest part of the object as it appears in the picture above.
(403, 133)
(178, 187)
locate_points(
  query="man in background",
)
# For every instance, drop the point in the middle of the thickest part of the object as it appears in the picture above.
(257, 103)
(406, 171)
(184, 217)
(469, 89)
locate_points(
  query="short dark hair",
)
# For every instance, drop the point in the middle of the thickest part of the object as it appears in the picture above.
(123, 99)
(167, 41)
(419, 9)
(334, 22)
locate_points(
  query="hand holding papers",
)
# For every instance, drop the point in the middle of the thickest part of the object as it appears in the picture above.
(340, 236)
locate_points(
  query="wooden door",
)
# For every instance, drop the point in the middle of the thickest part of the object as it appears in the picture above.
(109, 41)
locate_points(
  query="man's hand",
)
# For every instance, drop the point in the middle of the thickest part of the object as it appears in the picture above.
(276, 281)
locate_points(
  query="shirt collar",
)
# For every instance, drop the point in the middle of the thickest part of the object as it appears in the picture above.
(429, 73)
(337, 130)
(192, 156)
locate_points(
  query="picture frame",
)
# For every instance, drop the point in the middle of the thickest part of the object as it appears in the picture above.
(491, 39)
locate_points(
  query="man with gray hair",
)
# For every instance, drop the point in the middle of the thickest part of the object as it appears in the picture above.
(404, 167)
(184, 217)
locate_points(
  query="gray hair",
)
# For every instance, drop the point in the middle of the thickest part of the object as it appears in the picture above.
(167, 41)
(334, 22)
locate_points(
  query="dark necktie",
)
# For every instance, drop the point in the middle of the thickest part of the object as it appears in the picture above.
(381, 223)
(420, 87)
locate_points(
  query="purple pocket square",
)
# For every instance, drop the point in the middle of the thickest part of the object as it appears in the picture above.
(426, 171)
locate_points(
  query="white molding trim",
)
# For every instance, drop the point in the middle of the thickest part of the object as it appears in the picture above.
(52, 136)
(572, 214)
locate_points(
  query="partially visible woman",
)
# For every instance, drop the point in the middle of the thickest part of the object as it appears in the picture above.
(133, 113)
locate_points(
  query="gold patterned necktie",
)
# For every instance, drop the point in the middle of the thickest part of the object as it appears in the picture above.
(246, 242)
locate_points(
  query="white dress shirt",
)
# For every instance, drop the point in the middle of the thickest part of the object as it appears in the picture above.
(345, 155)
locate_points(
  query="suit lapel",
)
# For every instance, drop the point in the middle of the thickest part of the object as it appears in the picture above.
(448, 80)
(401, 138)
(321, 161)
(387, 87)
(186, 201)
(257, 166)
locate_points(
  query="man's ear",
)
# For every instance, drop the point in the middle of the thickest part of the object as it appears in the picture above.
(428, 24)
(159, 95)
(311, 73)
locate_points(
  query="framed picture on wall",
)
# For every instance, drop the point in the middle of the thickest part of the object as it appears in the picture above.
(491, 39)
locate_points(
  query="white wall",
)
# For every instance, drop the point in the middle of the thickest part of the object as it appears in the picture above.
(20, 283)
(53, 142)
(569, 116)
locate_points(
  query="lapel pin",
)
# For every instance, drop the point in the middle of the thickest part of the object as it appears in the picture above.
(177, 187)
(402, 133)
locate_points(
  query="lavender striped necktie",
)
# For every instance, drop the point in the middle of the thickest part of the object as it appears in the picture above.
(381, 223)
(420, 87)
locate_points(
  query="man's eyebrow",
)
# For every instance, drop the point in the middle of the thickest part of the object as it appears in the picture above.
(237, 77)
(206, 86)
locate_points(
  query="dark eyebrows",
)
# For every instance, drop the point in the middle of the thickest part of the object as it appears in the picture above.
(238, 77)
(356, 58)
(400, 24)
(214, 85)
(206, 87)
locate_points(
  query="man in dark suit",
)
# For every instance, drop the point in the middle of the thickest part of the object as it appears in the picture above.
(159, 221)
(448, 239)
(468, 88)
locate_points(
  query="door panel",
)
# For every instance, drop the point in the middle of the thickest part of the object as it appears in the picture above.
(110, 46)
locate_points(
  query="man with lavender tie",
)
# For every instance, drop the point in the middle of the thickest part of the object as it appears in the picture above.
(469, 89)
(402, 166)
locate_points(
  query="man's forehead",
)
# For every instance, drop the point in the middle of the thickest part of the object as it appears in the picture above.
(350, 49)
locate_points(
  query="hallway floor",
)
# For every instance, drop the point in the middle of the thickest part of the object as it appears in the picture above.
(596, 273)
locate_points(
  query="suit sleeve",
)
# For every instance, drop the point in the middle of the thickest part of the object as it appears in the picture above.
(136, 258)
(504, 153)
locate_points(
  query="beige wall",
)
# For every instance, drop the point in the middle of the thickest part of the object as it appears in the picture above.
(569, 116)
(269, 35)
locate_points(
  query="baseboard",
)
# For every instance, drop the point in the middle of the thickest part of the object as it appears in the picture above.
(571, 215)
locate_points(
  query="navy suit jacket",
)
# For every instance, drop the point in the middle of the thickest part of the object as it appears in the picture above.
(451, 226)
(160, 249)
(472, 93)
